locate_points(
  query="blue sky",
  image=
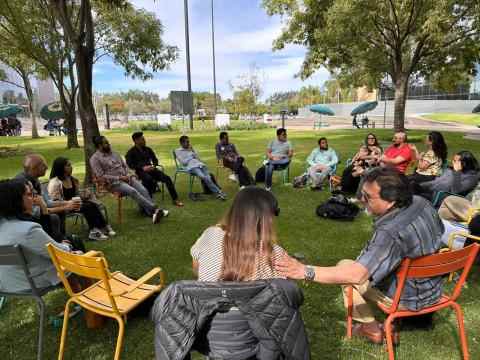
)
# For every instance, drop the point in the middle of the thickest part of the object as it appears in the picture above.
(243, 36)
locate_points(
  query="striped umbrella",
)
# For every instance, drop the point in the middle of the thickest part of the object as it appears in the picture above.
(322, 109)
(52, 111)
(9, 110)
(365, 107)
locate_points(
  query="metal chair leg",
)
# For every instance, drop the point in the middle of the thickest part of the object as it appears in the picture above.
(41, 308)
(121, 330)
(64, 329)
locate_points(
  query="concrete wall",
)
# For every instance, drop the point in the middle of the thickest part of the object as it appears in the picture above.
(413, 107)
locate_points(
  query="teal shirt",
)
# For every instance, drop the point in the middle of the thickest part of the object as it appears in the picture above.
(324, 157)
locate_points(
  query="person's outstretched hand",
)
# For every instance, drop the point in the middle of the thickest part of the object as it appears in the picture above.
(290, 267)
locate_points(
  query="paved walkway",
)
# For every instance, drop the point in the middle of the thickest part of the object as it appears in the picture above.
(335, 123)
(416, 122)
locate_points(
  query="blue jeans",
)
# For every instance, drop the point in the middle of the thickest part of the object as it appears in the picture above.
(204, 174)
(137, 192)
(274, 165)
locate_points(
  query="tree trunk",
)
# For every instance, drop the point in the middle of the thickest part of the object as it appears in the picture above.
(81, 35)
(70, 115)
(29, 92)
(85, 107)
(71, 124)
(401, 93)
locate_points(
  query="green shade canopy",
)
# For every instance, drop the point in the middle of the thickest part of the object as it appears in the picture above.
(476, 109)
(52, 111)
(365, 107)
(322, 109)
(9, 110)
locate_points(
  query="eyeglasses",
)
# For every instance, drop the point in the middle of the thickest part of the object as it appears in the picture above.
(367, 197)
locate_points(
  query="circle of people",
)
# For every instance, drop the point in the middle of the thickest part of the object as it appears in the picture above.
(242, 246)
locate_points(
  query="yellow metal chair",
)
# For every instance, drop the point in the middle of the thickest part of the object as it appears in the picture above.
(114, 295)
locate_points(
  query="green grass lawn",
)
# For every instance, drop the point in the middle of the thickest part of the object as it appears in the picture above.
(467, 119)
(139, 246)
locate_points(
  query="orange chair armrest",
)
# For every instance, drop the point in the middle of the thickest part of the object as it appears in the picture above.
(141, 281)
(93, 253)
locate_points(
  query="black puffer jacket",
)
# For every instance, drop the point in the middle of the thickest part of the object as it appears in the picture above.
(271, 308)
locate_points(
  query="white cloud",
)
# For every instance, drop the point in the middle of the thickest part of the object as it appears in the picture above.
(238, 43)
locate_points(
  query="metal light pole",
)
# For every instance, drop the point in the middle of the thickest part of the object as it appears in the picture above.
(213, 57)
(187, 46)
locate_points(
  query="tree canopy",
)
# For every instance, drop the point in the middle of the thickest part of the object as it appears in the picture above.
(363, 41)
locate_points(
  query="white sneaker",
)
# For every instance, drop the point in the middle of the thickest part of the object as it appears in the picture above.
(97, 235)
(109, 231)
(158, 214)
(268, 188)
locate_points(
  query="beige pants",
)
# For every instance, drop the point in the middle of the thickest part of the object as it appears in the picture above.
(364, 295)
(455, 208)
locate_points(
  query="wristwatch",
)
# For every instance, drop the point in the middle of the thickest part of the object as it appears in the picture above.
(309, 273)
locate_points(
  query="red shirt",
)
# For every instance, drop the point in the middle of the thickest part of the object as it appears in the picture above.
(404, 151)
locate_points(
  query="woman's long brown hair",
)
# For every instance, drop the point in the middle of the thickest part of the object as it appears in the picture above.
(249, 234)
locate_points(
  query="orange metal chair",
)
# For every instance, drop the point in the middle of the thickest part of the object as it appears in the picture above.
(114, 295)
(423, 267)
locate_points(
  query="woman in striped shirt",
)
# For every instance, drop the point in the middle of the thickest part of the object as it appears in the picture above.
(243, 246)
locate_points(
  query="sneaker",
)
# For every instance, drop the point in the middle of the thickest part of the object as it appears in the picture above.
(157, 215)
(233, 177)
(178, 203)
(242, 187)
(268, 188)
(222, 196)
(165, 212)
(109, 231)
(97, 235)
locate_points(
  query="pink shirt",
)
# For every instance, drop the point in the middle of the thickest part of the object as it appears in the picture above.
(404, 151)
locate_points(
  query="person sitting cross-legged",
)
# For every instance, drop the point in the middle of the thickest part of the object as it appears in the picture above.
(109, 168)
(321, 162)
(64, 187)
(405, 226)
(143, 160)
(189, 159)
(399, 154)
(228, 154)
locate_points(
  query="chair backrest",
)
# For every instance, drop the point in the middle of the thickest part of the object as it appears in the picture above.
(85, 266)
(11, 255)
(177, 165)
(437, 265)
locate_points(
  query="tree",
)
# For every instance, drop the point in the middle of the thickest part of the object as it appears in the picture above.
(28, 30)
(247, 88)
(132, 37)
(25, 68)
(87, 30)
(363, 41)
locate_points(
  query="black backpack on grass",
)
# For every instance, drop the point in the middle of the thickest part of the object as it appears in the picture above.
(338, 208)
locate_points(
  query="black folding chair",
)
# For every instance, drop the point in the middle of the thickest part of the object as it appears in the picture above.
(12, 255)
